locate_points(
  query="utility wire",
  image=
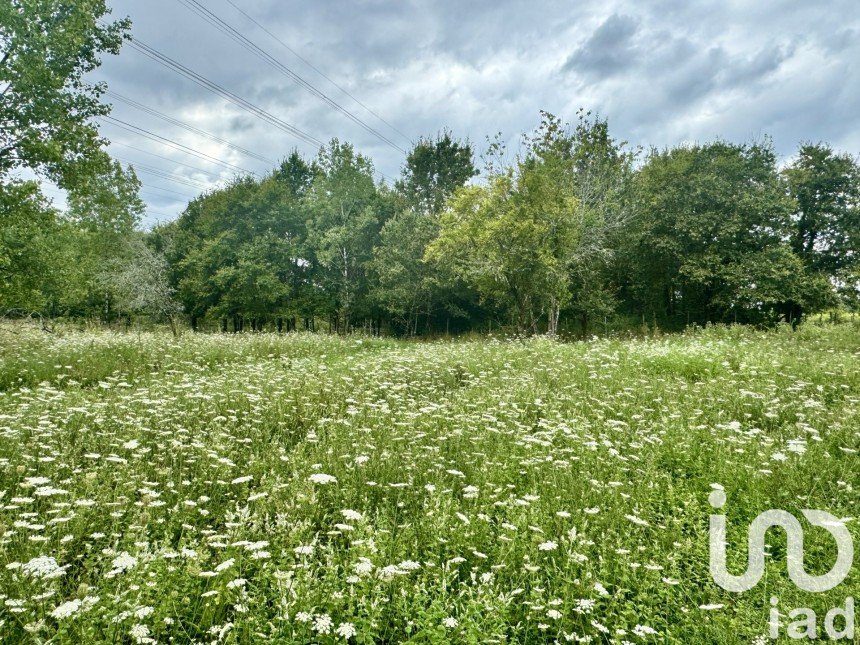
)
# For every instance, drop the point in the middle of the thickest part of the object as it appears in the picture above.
(313, 67)
(213, 87)
(158, 172)
(173, 161)
(233, 33)
(167, 190)
(187, 126)
(170, 143)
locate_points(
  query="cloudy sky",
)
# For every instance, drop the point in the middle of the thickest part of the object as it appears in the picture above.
(662, 71)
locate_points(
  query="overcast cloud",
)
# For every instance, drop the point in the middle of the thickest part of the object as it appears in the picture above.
(663, 72)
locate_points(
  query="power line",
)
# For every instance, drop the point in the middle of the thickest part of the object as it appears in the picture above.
(167, 190)
(187, 126)
(233, 33)
(157, 172)
(173, 161)
(313, 67)
(213, 87)
(171, 143)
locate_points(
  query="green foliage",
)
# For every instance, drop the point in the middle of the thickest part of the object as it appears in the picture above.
(343, 225)
(434, 169)
(539, 229)
(711, 218)
(28, 233)
(826, 188)
(46, 48)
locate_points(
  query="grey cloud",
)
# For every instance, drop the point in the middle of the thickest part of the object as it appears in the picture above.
(662, 72)
(609, 49)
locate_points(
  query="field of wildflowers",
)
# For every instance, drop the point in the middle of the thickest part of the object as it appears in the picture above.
(315, 489)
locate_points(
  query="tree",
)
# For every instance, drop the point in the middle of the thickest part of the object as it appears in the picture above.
(28, 249)
(707, 216)
(342, 226)
(104, 212)
(140, 284)
(535, 238)
(434, 170)
(404, 285)
(491, 240)
(826, 221)
(826, 188)
(46, 48)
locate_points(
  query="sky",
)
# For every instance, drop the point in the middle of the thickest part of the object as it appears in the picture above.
(663, 72)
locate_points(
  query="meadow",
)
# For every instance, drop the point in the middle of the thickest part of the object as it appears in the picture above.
(304, 488)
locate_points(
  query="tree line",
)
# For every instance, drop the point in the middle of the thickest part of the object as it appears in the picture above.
(572, 232)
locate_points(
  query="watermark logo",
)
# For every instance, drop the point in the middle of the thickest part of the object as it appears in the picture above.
(804, 620)
(794, 533)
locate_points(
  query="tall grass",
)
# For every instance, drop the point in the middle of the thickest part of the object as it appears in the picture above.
(307, 488)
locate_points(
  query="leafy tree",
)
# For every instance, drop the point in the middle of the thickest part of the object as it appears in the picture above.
(140, 283)
(404, 285)
(707, 215)
(434, 170)
(535, 239)
(504, 251)
(46, 48)
(826, 189)
(826, 221)
(28, 249)
(342, 227)
(104, 212)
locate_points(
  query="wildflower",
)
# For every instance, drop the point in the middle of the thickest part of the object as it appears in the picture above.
(548, 546)
(43, 567)
(48, 491)
(123, 562)
(345, 630)
(584, 606)
(322, 478)
(322, 624)
(242, 480)
(68, 608)
(225, 565)
(450, 622)
(140, 634)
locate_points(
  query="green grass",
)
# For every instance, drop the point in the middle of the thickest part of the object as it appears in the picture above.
(522, 491)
